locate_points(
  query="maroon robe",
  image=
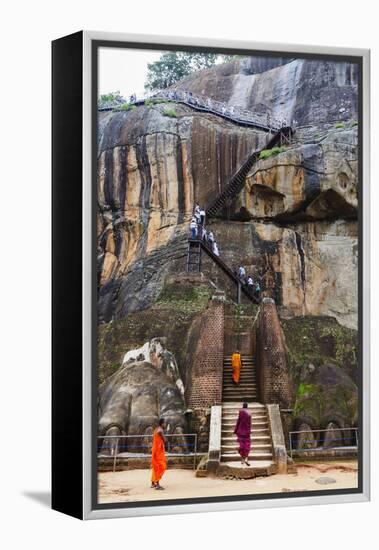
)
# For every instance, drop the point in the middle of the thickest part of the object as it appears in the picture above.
(243, 431)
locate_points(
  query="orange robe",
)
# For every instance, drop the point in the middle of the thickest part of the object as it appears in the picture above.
(158, 457)
(236, 366)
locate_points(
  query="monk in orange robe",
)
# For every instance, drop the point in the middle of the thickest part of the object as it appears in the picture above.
(158, 457)
(236, 366)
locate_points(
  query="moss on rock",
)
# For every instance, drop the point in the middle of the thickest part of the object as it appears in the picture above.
(322, 357)
(170, 316)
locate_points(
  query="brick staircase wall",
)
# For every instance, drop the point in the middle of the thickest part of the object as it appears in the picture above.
(204, 381)
(273, 373)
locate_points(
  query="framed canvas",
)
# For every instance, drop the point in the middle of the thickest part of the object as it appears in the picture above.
(210, 275)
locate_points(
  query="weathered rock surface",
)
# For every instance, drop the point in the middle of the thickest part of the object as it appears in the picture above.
(303, 91)
(314, 264)
(322, 358)
(314, 181)
(152, 168)
(133, 399)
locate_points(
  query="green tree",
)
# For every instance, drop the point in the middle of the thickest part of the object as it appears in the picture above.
(111, 97)
(172, 66)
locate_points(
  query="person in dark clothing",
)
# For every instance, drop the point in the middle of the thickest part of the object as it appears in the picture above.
(243, 433)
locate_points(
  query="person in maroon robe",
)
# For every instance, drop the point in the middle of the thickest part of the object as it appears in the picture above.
(243, 433)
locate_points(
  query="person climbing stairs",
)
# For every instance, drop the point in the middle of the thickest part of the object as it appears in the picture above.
(233, 396)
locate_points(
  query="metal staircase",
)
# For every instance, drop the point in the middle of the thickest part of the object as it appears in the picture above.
(237, 181)
(195, 249)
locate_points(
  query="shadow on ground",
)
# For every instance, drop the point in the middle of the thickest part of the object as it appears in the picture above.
(42, 497)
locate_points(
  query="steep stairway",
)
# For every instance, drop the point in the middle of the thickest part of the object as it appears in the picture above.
(246, 390)
(237, 181)
(261, 457)
(194, 254)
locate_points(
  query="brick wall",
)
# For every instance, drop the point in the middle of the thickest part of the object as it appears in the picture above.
(204, 383)
(273, 374)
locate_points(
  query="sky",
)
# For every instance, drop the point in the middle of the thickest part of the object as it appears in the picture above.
(124, 70)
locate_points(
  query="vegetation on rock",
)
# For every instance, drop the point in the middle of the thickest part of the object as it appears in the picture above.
(170, 113)
(322, 357)
(171, 316)
(266, 153)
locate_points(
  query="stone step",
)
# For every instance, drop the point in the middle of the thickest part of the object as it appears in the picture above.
(229, 423)
(248, 357)
(238, 392)
(254, 439)
(233, 413)
(252, 455)
(242, 396)
(233, 447)
(249, 385)
(255, 434)
(229, 377)
(229, 419)
(244, 386)
(233, 398)
(245, 363)
(238, 404)
(254, 465)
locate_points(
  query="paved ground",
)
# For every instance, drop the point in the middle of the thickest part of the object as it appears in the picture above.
(134, 485)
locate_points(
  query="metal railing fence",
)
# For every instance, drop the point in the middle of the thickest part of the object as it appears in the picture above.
(139, 446)
(236, 113)
(318, 444)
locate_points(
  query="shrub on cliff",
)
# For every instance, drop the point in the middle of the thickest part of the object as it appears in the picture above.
(125, 107)
(266, 153)
(170, 113)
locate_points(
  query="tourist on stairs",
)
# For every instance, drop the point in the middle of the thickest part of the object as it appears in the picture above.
(250, 285)
(202, 216)
(193, 228)
(236, 366)
(241, 272)
(215, 249)
(158, 457)
(243, 433)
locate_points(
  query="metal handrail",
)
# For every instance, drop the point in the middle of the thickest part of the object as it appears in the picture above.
(234, 113)
(321, 448)
(226, 269)
(116, 453)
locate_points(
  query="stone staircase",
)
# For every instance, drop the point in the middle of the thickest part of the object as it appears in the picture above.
(261, 456)
(246, 390)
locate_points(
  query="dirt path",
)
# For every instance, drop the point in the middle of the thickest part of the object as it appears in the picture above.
(134, 485)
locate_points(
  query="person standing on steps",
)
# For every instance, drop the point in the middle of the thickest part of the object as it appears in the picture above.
(236, 366)
(202, 216)
(250, 284)
(241, 272)
(215, 249)
(243, 433)
(193, 228)
(158, 457)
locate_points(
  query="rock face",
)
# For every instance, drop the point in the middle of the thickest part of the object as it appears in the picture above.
(135, 397)
(314, 181)
(314, 263)
(153, 167)
(151, 170)
(322, 358)
(303, 91)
